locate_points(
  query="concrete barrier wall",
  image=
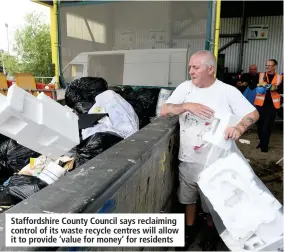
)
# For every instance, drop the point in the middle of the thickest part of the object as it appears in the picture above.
(136, 175)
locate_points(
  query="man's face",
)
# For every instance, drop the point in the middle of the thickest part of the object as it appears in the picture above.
(252, 69)
(270, 67)
(198, 71)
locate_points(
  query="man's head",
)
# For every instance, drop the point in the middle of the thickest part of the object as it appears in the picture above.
(252, 69)
(271, 66)
(202, 67)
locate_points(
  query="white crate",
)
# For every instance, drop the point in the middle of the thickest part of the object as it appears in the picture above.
(38, 123)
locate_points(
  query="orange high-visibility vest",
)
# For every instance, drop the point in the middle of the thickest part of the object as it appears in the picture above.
(259, 99)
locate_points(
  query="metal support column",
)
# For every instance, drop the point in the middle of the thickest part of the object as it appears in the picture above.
(241, 53)
(217, 28)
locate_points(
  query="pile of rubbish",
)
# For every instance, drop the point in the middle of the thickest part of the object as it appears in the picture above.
(107, 115)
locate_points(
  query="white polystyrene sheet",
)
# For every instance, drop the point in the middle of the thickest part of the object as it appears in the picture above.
(38, 123)
(220, 123)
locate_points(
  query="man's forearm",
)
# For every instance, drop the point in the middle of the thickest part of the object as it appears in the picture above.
(247, 122)
(169, 109)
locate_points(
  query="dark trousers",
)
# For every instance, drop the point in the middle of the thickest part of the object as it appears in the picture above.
(267, 115)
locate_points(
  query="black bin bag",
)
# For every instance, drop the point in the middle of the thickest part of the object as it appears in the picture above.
(13, 157)
(93, 146)
(19, 187)
(144, 102)
(80, 94)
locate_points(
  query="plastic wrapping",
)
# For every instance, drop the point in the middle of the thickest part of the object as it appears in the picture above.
(3, 138)
(13, 157)
(162, 98)
(246, 214)
(5, 198)
(82, 107)
(93, 146)
(18, 188)
(21, 187)
(127, 90)
(116, 89)
(250, 95)
(121, 119)
(80, 94)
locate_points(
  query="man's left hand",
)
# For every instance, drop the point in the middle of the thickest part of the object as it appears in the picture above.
(232, 133)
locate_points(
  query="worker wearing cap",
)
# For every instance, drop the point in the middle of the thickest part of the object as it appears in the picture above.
(267, 101)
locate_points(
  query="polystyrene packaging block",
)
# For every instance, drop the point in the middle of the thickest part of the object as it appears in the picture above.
(38, 123)
(222, 120)
(248, 210)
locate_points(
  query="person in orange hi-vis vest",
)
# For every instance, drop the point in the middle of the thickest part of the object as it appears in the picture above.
(267, 101)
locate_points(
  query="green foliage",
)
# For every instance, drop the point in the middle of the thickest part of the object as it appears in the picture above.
(11, 64)
(32, 47)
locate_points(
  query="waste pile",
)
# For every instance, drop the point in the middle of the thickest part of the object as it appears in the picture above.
(107, 115)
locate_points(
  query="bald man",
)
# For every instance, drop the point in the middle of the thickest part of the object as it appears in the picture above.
(195, 102)
(249, 79)
(249, 82)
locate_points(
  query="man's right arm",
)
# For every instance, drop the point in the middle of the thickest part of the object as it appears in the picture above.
(169, 109)
(203, 112)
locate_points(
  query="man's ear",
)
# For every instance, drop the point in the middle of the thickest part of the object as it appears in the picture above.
(211, 70)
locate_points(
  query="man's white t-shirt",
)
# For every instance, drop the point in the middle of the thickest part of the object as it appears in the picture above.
(219, 97)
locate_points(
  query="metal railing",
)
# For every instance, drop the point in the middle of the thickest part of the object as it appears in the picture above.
(42, 78)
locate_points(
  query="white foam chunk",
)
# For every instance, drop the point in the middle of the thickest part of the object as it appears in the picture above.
(38, 123)
(249, 212)
(222, 120)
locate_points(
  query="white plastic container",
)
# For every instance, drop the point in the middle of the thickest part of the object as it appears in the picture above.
(38, 123)
(52, 173)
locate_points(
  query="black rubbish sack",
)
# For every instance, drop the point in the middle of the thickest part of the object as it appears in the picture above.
(21, 187)
(127, 90)
(3, 138)
(5, 198)
(84, 92)
(14, 157)
(83, 107)
(93, 146)
(128, 93)
(144, 102)
(116, 89)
